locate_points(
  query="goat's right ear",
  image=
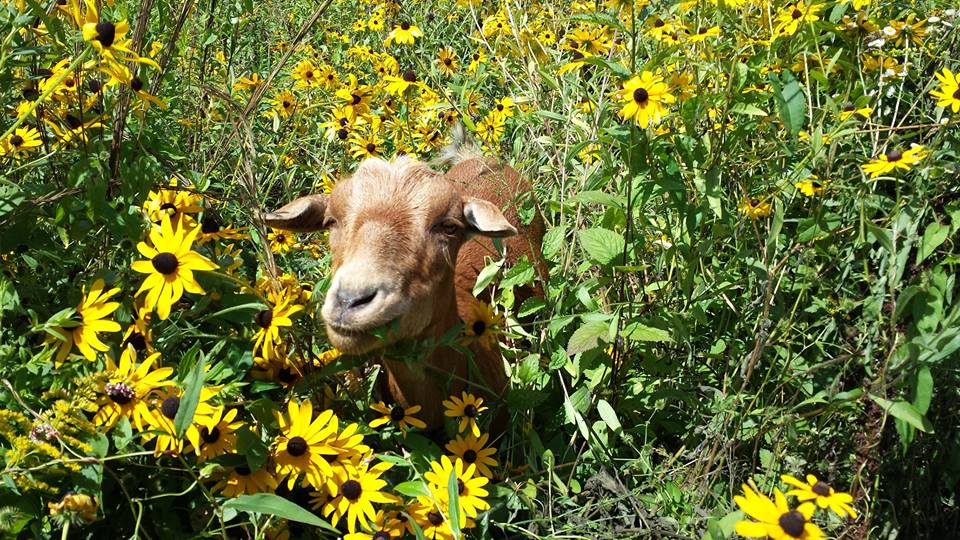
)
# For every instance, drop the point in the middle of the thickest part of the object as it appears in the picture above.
(305, 214)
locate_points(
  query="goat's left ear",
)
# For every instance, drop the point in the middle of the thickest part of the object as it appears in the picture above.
(305, 214)
(484, 218)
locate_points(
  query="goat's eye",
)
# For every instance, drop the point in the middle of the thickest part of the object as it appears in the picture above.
(449, 228)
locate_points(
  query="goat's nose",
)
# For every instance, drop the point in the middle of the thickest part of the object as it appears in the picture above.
(349, 299)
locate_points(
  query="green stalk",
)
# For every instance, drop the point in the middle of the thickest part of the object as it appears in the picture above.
(51, 88)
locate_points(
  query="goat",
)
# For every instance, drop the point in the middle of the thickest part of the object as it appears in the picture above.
(408, 244)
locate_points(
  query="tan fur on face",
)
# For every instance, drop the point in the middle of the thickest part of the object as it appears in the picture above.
(384, 235)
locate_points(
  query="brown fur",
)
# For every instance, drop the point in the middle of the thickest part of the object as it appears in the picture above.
(388, 233)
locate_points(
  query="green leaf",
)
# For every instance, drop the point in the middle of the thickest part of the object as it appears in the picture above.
(904, 411)
(602, 245)
(747, 109)
(252, 448)
(275, 505)
(486, 276)
(791, 102)
(191, 396)
(923, 393)
(590, 335)
(453, 493)
(641, 332)
(412, 488)
(933, 236)
(608, 415)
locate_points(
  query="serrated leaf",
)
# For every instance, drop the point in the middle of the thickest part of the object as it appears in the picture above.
(275, 505)
(590, 335)
(602, 245)
(641, 332)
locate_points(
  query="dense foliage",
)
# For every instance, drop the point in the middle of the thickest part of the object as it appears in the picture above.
(751, 215)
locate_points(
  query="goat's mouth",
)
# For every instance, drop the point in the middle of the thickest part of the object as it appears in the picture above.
(352, 340)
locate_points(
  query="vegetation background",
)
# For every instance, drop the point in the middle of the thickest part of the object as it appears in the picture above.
(759, 280)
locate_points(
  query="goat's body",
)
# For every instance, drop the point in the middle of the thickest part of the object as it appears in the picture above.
(448, 371)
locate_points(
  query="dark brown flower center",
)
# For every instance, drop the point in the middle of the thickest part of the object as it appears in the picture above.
(409, 76)
(470, 456)
(659, 23)
(16, 140)
(119, 393)
(956, 94)
(308, 74)
(170, 406)
(796, 14)
(478, 327)
(792, 523)
(242, 470)
(821, 488)
(640, 95)
(461, 487)
(210, 224)
(381, 535)
(404, 26)
(138, 340)
(210, 436)
(72, 121)
(136, 84)
(357, 98)
(371, 148)
(435, 519)
(106, 33)
(894, 155)
(286, 104)
(297, 446)
(470, 410)
(166, 263)
(448, 61)
(397, 413)
(351, 489)
(264, 318)
(342, 134)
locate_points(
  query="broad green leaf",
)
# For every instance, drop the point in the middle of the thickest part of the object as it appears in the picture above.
(412, 488)
(190, 397)
(602, 245)
(275, 505)
(590, 335)
(608, 415)
(486, 276)
(747, 109)
(904, 411)
(791, 102)
(933, 236)
(923, 393)
(641, 332)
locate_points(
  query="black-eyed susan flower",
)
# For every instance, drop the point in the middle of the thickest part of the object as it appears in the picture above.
(791, 16)
(402, 417)
(466, 408)
(76, 507)
(644, 99)
(170, 266)
(491, 129)
(755, 208)
(702, 33)
(240, 480)
(303, 445)
(128, 389)
(469, 485)
(247, 84)
(282, 241)
(89, 319)
(354, 493)
(504, 107)
(404, 33)
(399, 86)
(811, 186)
(473, 451)
(366, 145)
(175, 202)
(384, 526)
(447, 61)
(822, 493)
(894, 159)
(775, 519)
(355, 97)
(948, 93)
(22, 141)
(108, 38)
(483, 326)
(267, 340)
(477, 59)
(306, 74)
(218, 434)
(138, 335)
(431, 517)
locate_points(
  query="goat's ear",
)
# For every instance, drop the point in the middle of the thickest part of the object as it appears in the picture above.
(484, 218)
(305, 214)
